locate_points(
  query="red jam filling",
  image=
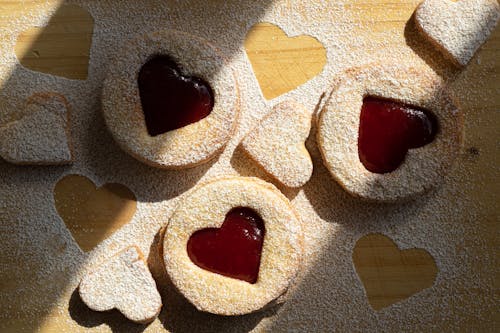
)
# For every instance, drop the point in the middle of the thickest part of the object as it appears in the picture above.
(387, 129)
(234, 249)
(169, 99)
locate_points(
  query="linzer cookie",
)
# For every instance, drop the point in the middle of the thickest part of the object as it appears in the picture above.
(170, 99)
(125, 283)
(41, 136)
(457, 28)
(389, 132)
(277, 144)
(233, 246)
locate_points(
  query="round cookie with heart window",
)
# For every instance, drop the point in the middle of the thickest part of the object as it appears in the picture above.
(233, 246)
(170, 99)
(123, 282)
(389, 132)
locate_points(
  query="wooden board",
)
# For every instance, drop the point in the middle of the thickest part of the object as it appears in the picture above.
(371, 257)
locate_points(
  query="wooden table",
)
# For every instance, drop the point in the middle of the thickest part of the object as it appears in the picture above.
(373, 255)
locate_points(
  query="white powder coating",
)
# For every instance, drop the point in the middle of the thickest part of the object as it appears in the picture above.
(41, 136)
(206, 207)
(277, 144)
(338, 123)
(458, 28)
(124, 282)
(186, 146)
(41, 265)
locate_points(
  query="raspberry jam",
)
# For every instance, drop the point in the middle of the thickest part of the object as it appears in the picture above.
(234, 249)
(387, 129)
(169, 99)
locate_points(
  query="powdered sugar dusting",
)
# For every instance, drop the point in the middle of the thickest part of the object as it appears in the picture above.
(42, 265)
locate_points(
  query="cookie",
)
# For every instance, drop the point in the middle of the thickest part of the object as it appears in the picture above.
(125, 283)
(457, 28)
(277, 144)
(389, 132)
(233, 246)
(42, 135)
(170, 99)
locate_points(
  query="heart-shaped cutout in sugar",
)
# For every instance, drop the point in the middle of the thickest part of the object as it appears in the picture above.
(171, 100)
(277, 144)
(62, 47)
(125, 283)
(458, 28)
(387, 129)
(92, 214)
(282, 63)
(232, 250)
(388, 274)
(42, 135)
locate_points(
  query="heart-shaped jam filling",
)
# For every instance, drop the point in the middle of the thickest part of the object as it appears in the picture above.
(169, 99)
(388, 129)
(233, 250)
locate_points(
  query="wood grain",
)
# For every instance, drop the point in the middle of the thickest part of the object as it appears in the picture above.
(267, 45)
(282, 63)
(389, 274)
(62, 47)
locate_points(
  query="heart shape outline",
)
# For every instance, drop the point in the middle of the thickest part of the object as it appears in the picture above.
(388, 129)
(92, 213)
(457, 28)
(171, 99)
(281, 63)
(277, 144)
(390, 274)
(41, 136)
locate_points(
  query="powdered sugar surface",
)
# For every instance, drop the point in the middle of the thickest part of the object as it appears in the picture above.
(277, 144)
(42, 264)
(458, 28)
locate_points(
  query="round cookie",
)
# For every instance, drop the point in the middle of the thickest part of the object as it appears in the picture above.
(206, 208)
(457, 28)
(339, 121)
(182, 147)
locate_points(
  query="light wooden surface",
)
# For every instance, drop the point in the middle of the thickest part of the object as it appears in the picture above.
(376, 258)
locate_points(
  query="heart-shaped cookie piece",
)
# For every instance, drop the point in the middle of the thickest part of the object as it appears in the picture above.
(389, 274)
(169, 99)
(123, 102)
(282, 63)
(62, 47)
(458, 28)
(277, 144)
(415, 89)
(232, 250)
(92, 214)
(125, 283)
(387, 129)
(42, 135)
